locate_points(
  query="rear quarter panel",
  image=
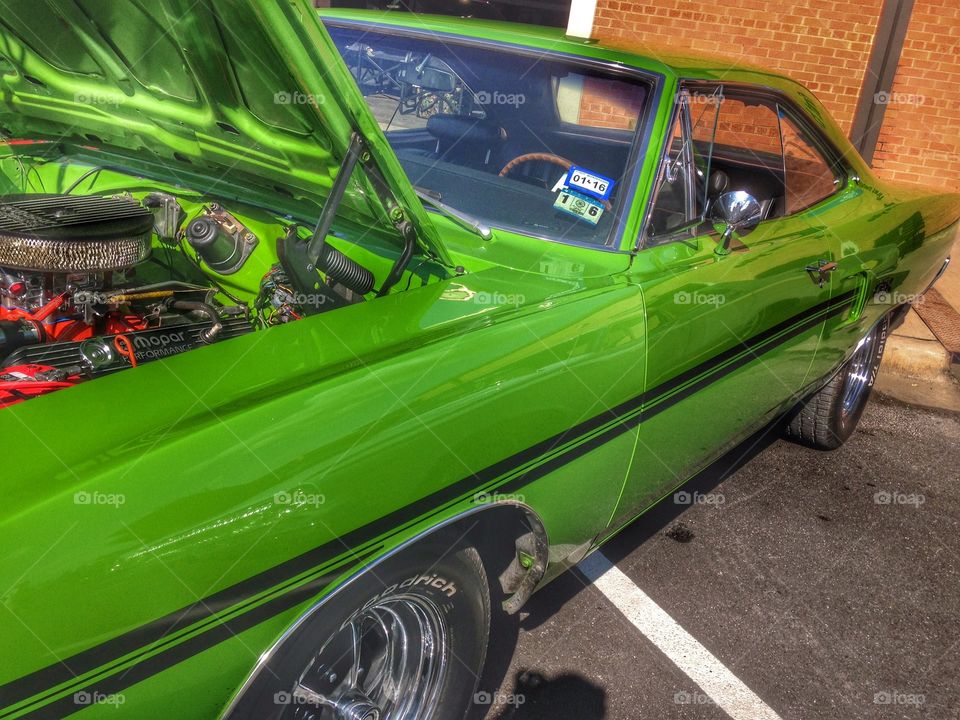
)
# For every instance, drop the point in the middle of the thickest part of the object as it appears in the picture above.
(892, 244)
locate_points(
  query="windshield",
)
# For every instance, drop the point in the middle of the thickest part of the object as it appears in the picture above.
(525, 142)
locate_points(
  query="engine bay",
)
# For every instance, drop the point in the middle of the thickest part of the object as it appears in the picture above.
(91, 284)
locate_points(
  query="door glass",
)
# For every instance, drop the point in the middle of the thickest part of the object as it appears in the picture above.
(809, 177)
(669, 210)
(704, 114)
(682, 194)
(748, 154)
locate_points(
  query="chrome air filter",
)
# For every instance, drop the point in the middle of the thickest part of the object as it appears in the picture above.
(73, 233)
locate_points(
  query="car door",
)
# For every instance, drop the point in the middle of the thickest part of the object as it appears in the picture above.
(732, 332)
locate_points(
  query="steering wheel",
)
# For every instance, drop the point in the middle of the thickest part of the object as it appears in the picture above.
(529, 157)
(543, 157)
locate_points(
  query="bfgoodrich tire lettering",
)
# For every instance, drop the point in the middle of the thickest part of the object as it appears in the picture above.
(828, 417)
(405, 641)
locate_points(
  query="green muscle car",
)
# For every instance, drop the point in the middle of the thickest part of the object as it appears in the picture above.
(326, 341)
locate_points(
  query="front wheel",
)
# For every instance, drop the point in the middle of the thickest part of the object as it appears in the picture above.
(828, 417)
(405, 641)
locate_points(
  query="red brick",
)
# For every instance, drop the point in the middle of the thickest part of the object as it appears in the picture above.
(826, 45)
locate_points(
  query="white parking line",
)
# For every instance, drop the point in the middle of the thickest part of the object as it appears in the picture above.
(724, 688)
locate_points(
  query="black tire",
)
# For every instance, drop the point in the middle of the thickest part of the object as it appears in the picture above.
(828, 418)
(421, 588)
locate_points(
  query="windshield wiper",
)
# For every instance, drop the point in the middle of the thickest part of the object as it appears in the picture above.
(474, 225)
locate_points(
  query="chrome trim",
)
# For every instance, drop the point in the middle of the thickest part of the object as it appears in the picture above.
(940, 273)
(641, 242)
(536, 525)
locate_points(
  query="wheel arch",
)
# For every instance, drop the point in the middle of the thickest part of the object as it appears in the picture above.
(504, 533)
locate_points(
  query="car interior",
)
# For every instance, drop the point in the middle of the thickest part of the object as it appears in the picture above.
(492, 133)
(782, 182)
(730, 169)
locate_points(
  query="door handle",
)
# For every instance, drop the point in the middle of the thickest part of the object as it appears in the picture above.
(820, 272)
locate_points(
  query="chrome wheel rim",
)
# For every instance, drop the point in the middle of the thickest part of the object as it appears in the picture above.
(859, 376)
(387, 662)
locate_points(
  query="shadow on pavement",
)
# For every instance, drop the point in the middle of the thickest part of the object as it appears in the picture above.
(660, 518)
(536, 697)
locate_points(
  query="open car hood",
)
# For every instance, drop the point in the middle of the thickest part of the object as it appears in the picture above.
(241, 92)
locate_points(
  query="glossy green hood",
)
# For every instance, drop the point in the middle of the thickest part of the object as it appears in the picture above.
(242, 93)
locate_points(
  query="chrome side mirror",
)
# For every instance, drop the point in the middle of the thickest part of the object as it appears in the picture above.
(741, 213)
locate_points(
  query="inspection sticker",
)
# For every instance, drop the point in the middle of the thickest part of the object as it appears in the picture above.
(590, 183)
(579, 205)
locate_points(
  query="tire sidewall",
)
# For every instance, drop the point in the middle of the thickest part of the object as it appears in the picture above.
(455, 583)
(845, 425)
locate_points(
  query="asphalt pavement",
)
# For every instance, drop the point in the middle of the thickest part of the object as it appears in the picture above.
(828, 584)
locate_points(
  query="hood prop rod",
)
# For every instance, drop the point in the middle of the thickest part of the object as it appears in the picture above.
(329, 211)
(356, 153)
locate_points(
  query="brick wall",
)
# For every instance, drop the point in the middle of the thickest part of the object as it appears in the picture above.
(920, 136)
(826, 46)
(610, 104)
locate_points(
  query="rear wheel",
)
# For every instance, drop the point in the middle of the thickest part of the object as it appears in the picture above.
(406, 641)
(828, 417)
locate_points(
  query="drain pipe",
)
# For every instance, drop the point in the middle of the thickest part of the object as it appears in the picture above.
(580, 22)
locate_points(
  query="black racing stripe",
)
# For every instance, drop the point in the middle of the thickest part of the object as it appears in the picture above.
(647, 413)
(841, 301)
(185, 650)
(752, 355)
(154, 632)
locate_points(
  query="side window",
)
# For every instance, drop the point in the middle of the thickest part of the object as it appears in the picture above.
(808, 176)
(751, 127)
(704, 116)
(747, 152)
(731, 140)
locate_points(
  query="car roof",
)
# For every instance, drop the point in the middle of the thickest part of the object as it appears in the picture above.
(663, 59)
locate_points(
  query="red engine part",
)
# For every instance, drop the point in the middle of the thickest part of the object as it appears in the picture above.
(71, 328)
(19, 383)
